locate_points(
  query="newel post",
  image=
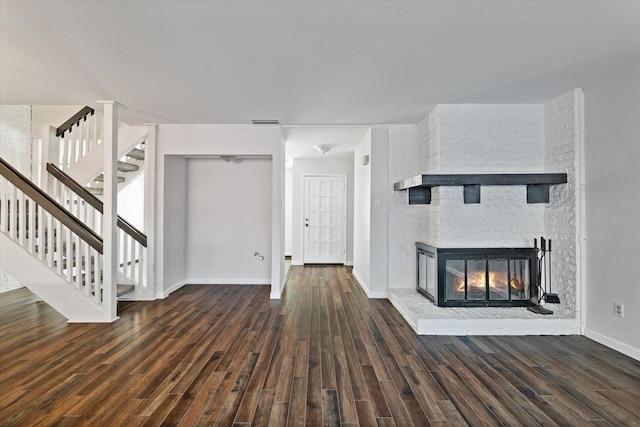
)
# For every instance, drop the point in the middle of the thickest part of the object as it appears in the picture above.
(49, 153)
(110, 215)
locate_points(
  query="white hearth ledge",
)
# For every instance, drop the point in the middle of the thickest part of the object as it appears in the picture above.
(427, 319)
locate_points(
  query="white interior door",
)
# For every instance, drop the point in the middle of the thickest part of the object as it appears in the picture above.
(324, 219)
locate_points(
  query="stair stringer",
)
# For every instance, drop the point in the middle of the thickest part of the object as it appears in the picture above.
(92, 164)
(49, 286)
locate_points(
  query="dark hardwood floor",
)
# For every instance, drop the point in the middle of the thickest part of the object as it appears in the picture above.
(324, 354)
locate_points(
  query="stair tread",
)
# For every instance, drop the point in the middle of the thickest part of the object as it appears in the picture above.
(127, 167)
(96, 191)
(123, 289)
(136, 153)
(100, 178)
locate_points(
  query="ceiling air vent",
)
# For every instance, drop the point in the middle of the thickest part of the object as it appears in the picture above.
(265, 122)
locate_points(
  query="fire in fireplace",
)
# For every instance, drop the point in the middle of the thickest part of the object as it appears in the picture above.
(475, 277)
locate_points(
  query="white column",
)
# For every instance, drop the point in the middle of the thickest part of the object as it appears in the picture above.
(149, 208)
(110, 215)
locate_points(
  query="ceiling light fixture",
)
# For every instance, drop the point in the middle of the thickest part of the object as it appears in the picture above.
(324, 148)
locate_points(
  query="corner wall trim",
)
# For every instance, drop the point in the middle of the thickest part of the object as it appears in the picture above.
(612, 343)
(173, 288)
(370, 295)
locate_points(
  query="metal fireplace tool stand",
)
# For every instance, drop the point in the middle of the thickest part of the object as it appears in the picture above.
(543, 255)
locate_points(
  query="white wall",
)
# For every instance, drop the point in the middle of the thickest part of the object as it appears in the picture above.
(378, 206)
(131, 202)
(612, 156)
(228, 214)
(342, 164)
(288, 211)
(51, 115)
(362, 213)
(404, 162)
(174, 226)
(15, 147)
(15, 131)
(197, 140)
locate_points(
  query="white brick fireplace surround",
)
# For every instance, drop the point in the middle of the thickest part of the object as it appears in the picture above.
(467, 139)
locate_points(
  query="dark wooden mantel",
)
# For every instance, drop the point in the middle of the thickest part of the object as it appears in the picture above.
(419, 187)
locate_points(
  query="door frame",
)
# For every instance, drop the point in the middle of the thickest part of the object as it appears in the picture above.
(344, 210)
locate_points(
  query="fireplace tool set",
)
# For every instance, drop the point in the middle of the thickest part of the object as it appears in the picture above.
(543, 279)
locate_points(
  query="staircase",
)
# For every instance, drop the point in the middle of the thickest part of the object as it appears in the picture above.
(128, 169)
(76, 148)
(51, 236)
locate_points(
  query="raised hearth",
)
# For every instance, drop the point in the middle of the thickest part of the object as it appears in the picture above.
(427, 319)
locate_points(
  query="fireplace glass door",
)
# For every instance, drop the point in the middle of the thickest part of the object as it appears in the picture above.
(480, 279)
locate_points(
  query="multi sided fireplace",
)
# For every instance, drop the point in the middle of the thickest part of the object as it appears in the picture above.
(475, 277)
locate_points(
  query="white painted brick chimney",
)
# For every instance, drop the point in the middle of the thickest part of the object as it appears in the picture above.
(464, 138)
(483, 139)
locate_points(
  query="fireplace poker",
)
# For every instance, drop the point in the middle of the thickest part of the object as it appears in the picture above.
(551, 298)
(540, 255)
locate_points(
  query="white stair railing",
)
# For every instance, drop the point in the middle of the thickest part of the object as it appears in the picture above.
(78, 136)
(37, 223)
(131, 243)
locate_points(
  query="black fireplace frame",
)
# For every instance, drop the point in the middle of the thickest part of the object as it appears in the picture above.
(441, 256)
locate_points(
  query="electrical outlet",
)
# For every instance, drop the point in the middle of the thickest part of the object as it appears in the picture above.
(618, 309)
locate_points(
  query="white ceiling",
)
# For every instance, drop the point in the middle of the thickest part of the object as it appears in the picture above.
(301, 140)
(306, 62)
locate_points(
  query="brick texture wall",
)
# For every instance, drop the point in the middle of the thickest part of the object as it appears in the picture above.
(484, 139)
(15, 147)
(560, 213)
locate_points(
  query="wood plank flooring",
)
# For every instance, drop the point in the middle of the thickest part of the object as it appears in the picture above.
(323, 355)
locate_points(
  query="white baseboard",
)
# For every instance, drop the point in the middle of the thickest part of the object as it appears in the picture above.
(173, 288)
(613, 343)
(296, 262)
(228, 281)
(371, 295)
(360, 282)
(349, 263)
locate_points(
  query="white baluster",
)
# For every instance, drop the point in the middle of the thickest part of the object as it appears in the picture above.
(132, 251)
(41, 234)
(22, 217)
(83, 139)
(98, 278)
(87, 269)
(141, 266)
(69, 254)
(122, 239)
(73, 148)
(78, 261)
(90, 133)
(50, 246)
(58, 248)
(3, 205)
(31, 225)
(12, 211)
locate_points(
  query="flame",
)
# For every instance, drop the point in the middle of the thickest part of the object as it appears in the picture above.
(476, 282)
